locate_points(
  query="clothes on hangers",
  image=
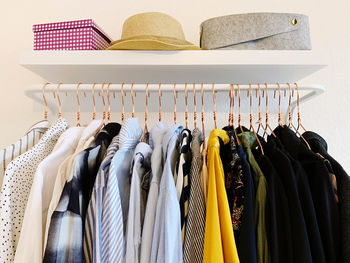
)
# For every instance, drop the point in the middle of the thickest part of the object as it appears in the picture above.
(319, 145)
(157, 163)
(137, 202)
(16, 187)
(167, 238)
(322, 192)
(64, 244)
(249, 142)
(30, 244)
(64, 171)
(181, 177)
(219, 242)
(195, 226)
(10, 152)
(241, 197)
(112, 198)
(97, 199)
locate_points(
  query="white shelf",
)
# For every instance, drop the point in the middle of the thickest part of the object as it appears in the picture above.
(215, 66)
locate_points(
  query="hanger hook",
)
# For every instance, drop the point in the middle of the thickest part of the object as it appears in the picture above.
(174, 94)
(289, 105)
(250, 107)
(78, 101)
(230, 109)
(259, 121)
(103, 102)
(59, 100)
(132, 100)
(186, 107)
(44, 98)
(122, 97)
(160, 102)
(239, 108)
(93, 101)
(214, 105)
(109, 103)
(298, 107)
(146, 109)
(279, 105)
(267, 113)
(203, 128)
(194, 106)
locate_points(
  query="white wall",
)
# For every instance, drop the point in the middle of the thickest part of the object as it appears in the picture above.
(330, 26)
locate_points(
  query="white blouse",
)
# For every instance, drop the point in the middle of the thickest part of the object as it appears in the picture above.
(16, 187)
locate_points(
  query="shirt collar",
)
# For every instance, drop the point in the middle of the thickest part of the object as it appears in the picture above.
(316, 140)
(172, 134)
(214, 138)
(130, 134)
(157, 133)
(197, 133)
(248, 140)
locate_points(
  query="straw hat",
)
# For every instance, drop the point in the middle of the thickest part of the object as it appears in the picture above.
(152, 31)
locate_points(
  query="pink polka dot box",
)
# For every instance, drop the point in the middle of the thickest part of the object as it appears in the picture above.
(70, 35)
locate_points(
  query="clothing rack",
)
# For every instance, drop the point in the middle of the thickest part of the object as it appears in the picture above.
(68, 96)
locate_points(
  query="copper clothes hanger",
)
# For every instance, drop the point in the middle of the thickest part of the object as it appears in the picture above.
(202, 113)
(146, 110)
(232, 87)
(104, 105)
(174, 94)
(251, 119)
(93, 102)
(109, 104)
(194, 107)
(132, 101)
(59, 100)
(259, 117)
(160, 102)
(186, 106)
(279, 106)
(267, 114)
(239, 108)
(44, 98)
(78, 102)
(122, 98)
(214, 106)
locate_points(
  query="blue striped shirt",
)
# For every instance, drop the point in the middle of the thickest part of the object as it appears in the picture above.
(106, 220)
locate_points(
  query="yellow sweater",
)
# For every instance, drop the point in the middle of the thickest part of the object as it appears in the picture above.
(219, 242)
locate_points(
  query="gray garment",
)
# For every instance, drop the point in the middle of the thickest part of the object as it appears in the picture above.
(195, 226)
(157, 162)
(141, 167)
(167, 239)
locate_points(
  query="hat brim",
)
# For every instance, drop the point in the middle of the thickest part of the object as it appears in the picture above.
(152, 43)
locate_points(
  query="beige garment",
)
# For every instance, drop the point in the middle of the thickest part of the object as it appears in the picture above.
(87, 138)
(204, 175)
(31, 239)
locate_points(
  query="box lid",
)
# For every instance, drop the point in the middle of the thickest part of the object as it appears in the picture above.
(70, 25)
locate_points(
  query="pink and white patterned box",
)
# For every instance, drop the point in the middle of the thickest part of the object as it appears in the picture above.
(70, 35)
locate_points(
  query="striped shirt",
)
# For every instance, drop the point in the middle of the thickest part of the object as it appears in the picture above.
(195, 226)
(92, 237)
(182, 177)
(110, 244)
(24, 144)
(63, 244)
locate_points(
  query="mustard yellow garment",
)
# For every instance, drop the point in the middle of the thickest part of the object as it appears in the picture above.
(219, 242)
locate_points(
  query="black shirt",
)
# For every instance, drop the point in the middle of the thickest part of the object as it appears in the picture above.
(319, 145)
(284, 169)
(321, 190)
(278, 218)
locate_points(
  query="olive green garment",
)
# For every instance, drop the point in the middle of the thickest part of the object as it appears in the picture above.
(249, 142)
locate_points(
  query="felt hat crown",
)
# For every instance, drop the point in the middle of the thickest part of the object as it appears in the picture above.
(152, 31)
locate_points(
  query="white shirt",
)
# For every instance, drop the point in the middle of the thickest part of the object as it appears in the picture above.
(24, 144)
(141, 167)
(16, 188)
(30, 243)
(63, 174)
(157, 162)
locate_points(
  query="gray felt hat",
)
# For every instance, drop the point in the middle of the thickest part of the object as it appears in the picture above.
(273, 31)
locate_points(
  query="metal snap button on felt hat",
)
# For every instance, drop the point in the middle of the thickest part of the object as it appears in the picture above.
(294, 21)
